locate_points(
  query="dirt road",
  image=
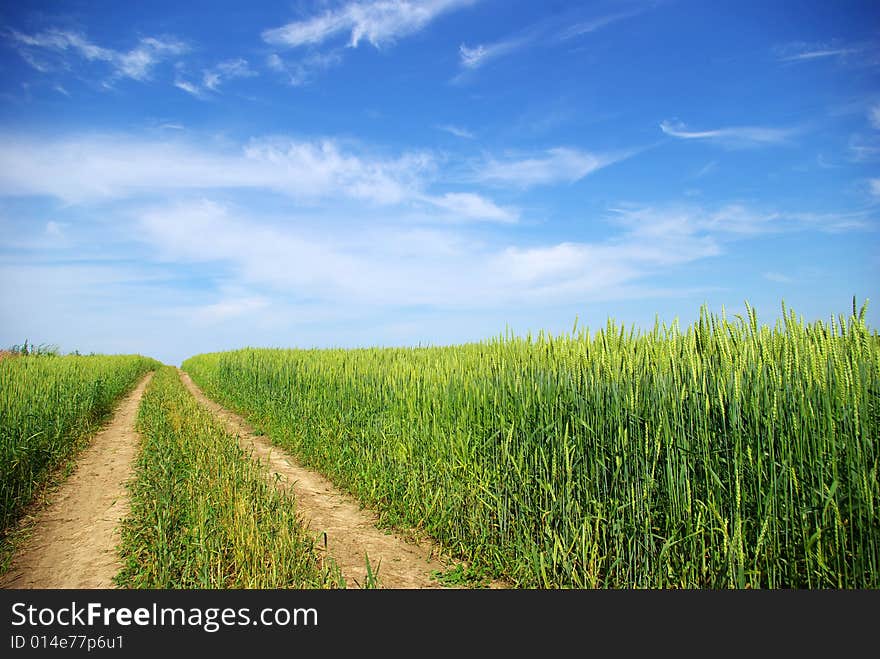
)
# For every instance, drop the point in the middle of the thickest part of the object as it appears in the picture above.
(74, 538)
(350, 531)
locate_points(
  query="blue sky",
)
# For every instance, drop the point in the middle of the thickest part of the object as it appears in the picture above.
(178, 178)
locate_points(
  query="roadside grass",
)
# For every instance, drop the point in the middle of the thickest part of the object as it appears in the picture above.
(203, 513)
(50, 406)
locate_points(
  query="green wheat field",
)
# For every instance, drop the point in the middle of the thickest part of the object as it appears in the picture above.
(725, 454)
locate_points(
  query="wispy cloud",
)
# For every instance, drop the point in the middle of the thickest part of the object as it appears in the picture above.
(863, 148)
(805, 52)
(733, 221)
(446, 268)
(556, 29)
(380, 22)
(874, 186)
(214, 77)
(271, 277)
(706, 169)
(474, 58)
(557, 165)
(190, 88)
(734, 136)
(469, 206)
(874, 115)
(226, 71)
(303, 71)
(107, 166)
(400, 267)
(594, 24)
(135, 64)
(458, 131)
(138, 62)
(60, 40)
(818, 54)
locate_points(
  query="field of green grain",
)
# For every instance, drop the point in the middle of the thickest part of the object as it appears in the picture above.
(49, 403)
(727, 454)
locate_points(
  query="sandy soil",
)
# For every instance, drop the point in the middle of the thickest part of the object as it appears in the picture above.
(337, 518)
(74, 539)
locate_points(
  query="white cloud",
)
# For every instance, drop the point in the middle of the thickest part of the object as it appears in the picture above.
(874, 185)
(732, 221)
(397, 266)
(136, 63)
(874, 116)
(286, 279)
(470, 206)
(275, 63)
(474, 58)
(778, 277)
(61, 40)
(863, 148)
(735, 136)
(706, 169)
(458, 131)
(386, 267)
(225, 71)
(110, 166)
(259, 252)
(215, 76)
(303, 70)
(804, 52)
(378, 21)
(558, 165)
(585, 27)
(37, 63)
(94, 168)
(817, 54)
(189, 88)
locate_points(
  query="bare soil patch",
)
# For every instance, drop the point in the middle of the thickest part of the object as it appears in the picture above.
(74, 538)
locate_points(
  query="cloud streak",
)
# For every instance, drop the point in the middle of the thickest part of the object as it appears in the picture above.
(106, 167)
(478, 56)
(552, 166)
(457, 131)
(135, 64)
(303, 71)
(214, 77)
(475, 57)
(874, 116)
(804, 52)
(818, 54)
(96, 167)
(380, 22)
(734, 136)
(592, 25)
(470, 206)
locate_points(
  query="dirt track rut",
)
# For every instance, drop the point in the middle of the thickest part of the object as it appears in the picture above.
(349, 529)
(74, 538)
